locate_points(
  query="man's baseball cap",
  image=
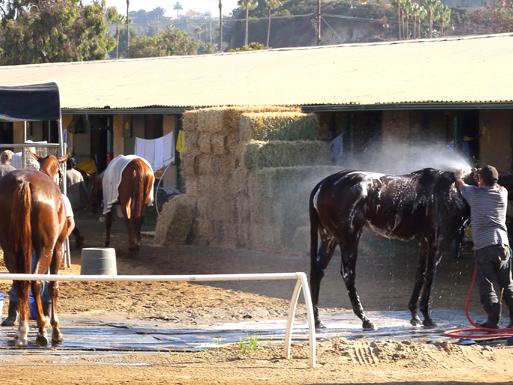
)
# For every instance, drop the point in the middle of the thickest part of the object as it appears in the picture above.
(489, 174)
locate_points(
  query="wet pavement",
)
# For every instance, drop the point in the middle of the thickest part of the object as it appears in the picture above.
(93, 334)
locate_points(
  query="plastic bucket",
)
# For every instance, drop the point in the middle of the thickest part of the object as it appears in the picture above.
(98, 261)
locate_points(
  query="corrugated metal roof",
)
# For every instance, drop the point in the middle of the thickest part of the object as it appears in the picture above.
(475, 69)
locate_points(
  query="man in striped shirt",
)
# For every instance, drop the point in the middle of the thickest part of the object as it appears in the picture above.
(488, 203)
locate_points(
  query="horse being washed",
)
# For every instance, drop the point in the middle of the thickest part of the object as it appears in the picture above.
(127, 181)
(423, 205)
(34, 220)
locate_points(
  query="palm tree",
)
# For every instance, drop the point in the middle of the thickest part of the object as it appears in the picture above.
(445, 17)
(431, 7)
(127, 31)
(271, 4)
(177, 7)
(119, 21)
(220, 25)
(398, 5)
(422, 16)
(407, 11)
(247, 5)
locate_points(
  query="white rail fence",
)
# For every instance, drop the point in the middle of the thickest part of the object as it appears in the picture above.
(299, 277)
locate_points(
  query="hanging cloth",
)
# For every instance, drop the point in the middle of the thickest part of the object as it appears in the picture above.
(180, 145)
(157, 152)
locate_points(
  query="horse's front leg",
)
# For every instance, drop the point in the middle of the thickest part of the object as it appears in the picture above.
(432, 261)
(23, 328)
(348, 270)
(108, 226)
(419, 282)
(319, 263)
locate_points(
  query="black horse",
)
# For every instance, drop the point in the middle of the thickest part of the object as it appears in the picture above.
(424, 205)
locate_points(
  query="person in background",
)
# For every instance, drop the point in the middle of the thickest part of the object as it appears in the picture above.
(77, 193)
(5, 162)
(488, 204)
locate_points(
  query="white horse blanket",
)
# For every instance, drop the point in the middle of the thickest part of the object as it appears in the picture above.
(112, 179)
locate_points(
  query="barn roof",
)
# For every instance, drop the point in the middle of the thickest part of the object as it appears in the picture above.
(465, 70)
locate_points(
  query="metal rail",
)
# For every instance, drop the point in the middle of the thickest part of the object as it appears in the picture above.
(299, 277)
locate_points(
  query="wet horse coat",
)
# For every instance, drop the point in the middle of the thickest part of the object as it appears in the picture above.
(33, 219)
(424, 205)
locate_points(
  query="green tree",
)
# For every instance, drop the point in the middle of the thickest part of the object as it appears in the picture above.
(118, 20)
(171, 41)
(51, 31)
(247, 5)
(432, 7)
(445, 16)
(271, 5)
(177, 7)
(254, 46)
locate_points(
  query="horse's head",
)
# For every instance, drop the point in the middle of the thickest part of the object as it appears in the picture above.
(50, 165)
(95, 184)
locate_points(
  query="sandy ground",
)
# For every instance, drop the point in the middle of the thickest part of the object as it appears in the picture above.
(384, 285)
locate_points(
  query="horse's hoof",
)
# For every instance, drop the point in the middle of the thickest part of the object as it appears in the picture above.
(20, 343)
(429, 324)
(42, 340)
(319, 325)
(57, 339)
(415, 321)
(368, 325)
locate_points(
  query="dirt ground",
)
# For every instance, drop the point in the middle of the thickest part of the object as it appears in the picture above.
(384, 284)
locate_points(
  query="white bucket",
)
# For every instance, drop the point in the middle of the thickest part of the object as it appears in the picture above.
(96, 260)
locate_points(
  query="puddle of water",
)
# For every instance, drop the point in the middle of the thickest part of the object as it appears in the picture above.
(96, 335)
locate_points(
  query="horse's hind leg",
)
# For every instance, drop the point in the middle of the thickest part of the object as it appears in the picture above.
(23, 328)
(349, 251)
(419, 282)
(317, 268)
(42, 323)
(54, 293)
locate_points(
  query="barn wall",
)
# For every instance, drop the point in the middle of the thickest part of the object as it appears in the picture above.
(495, 143)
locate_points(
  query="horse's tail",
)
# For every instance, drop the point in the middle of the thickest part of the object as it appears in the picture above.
(314, 227)
(144, 182)
(21, 228)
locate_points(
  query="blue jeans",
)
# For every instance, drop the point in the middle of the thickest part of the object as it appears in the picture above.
(45, 292)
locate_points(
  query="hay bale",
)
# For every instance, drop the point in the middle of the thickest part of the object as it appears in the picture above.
(190, 121)
(175, 221)
(278, 126)
(187, 165)
(217, 144)
(204, 143)
(260, 154)
(190, 141)
(210, 120)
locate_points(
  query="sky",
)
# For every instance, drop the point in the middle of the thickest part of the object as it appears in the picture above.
(196, 5)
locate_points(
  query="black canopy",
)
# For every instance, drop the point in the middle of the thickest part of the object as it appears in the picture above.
(32, 102)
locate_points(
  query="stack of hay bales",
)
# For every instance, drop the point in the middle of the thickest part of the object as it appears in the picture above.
(248, 174)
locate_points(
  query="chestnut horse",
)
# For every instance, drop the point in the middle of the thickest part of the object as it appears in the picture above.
(135, 191)
(33, 219)
(424, 205)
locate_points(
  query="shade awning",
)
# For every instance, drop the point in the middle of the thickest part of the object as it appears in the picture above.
(31, 102)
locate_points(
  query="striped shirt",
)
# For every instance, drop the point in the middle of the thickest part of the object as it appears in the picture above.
(487, 214)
